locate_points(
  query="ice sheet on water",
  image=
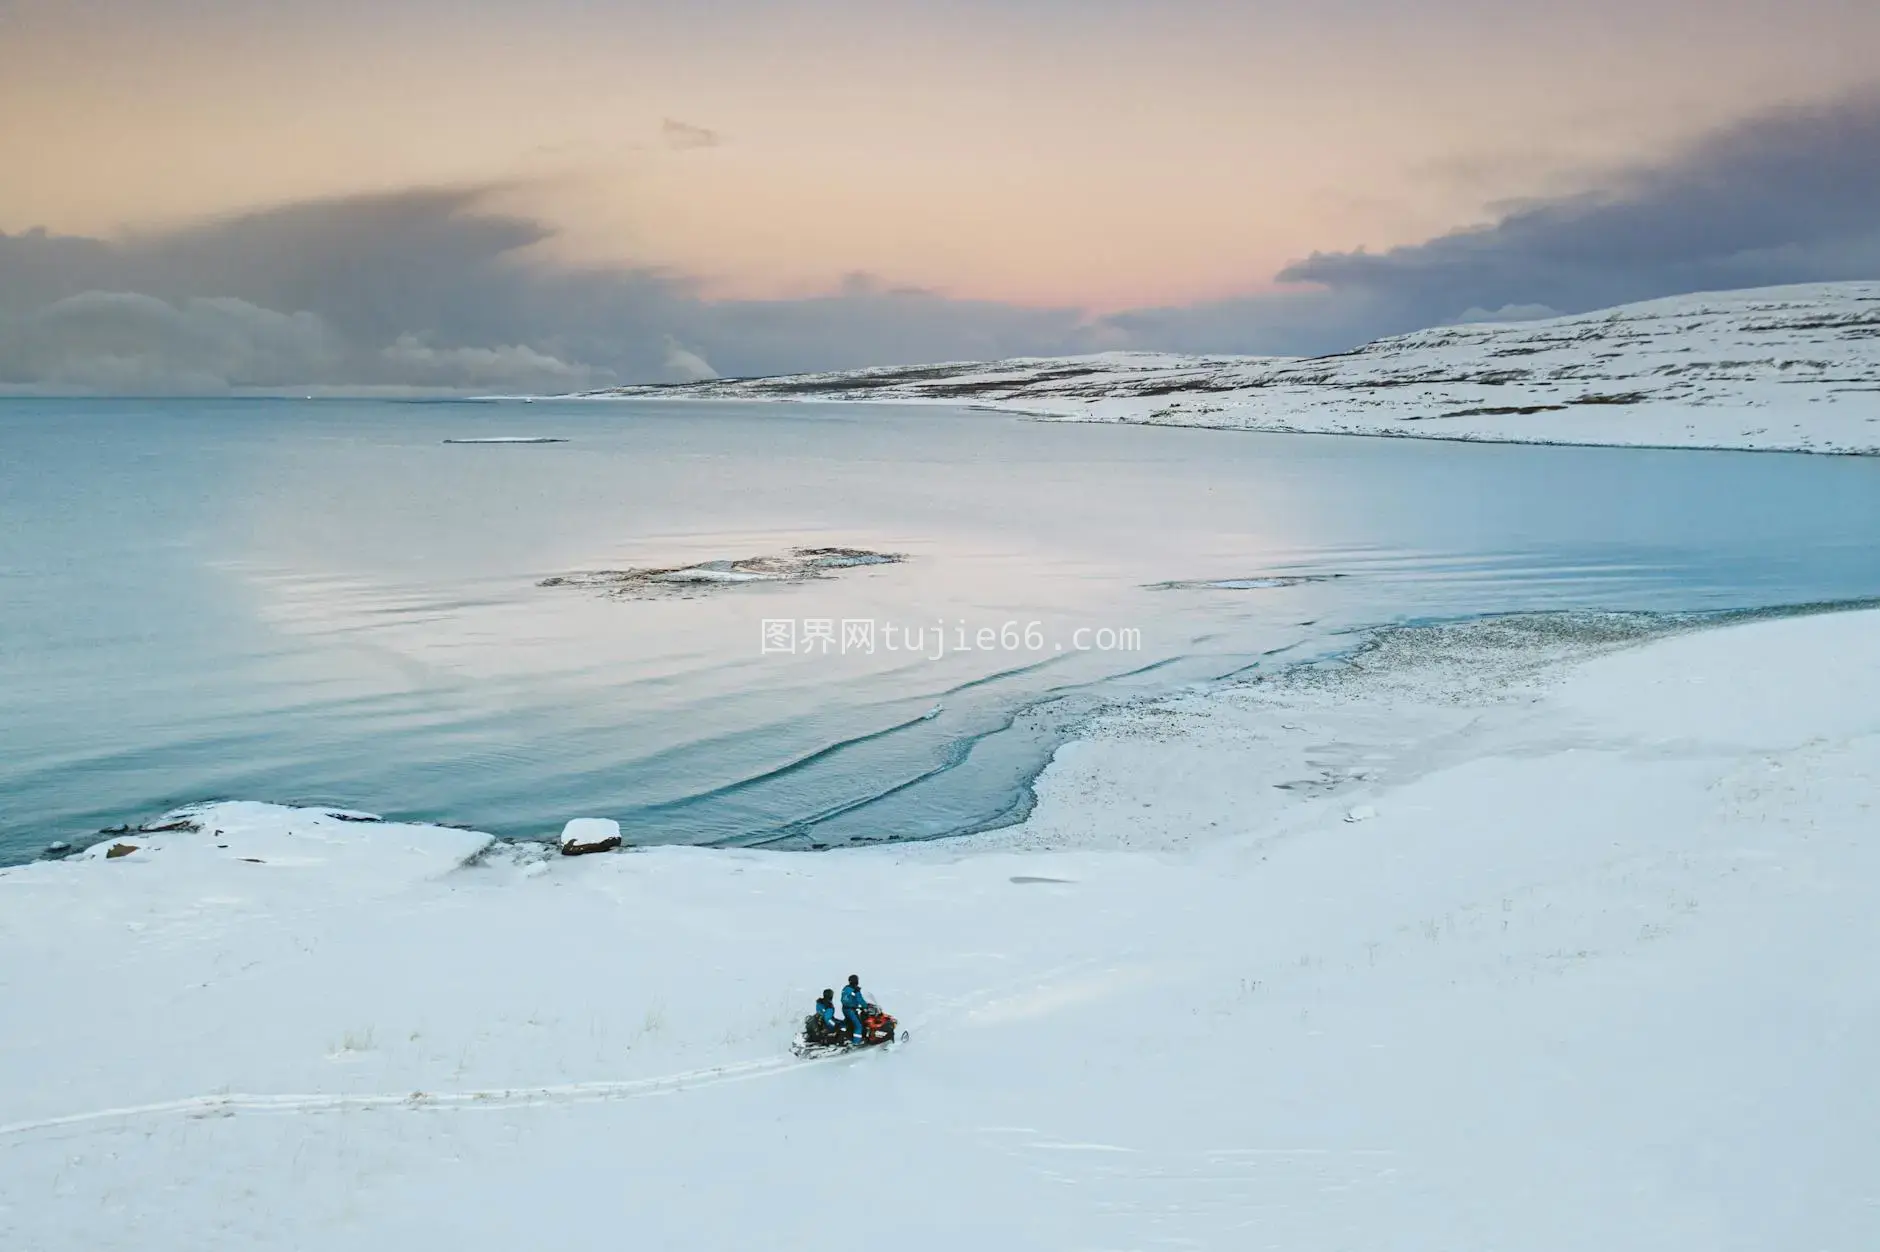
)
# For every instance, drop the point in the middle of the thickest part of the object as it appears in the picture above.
(795, 565)
(1260, 582)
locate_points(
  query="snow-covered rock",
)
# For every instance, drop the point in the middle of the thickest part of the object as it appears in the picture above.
(206, 841)
(1778, 368)
(589, 834)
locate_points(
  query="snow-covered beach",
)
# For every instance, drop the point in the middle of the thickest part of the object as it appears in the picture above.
(1198, 627)
(1547, 932)
(1770, 369)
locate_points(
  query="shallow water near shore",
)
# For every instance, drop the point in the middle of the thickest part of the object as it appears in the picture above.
(324, 602)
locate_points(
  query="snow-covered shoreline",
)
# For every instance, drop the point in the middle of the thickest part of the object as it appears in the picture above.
(1779, 369)
(1535, 932)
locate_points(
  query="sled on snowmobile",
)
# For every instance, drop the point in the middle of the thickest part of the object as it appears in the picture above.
(818, 1039)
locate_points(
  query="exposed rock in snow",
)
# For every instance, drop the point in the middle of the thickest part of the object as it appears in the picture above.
(1778, 368)
(334, 848)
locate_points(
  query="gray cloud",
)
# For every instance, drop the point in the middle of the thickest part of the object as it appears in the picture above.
(434, 289)
(372, 291)
(686, 365)
(127, 341)
(683, 136)
(1791, 196)
(415, 363)
(1507, 313)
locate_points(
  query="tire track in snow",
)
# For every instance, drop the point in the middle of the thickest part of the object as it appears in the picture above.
(227, 1105)
(231, 1103)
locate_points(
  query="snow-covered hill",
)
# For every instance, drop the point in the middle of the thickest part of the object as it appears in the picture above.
(1777, 368)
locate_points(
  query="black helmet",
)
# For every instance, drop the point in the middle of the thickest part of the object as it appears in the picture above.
(855, 980)
(828, 993)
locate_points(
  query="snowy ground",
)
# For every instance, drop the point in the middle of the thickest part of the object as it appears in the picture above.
(1776, 368)
(1554, 938)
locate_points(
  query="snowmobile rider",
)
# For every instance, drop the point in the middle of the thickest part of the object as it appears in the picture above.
(854, 1006)
(826, 1009)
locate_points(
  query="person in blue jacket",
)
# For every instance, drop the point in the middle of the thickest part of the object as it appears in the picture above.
(854, 1004)
(826, 1009)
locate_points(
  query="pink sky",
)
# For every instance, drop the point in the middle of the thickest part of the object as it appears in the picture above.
(1104, 155)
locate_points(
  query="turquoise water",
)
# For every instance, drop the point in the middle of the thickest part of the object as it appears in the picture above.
(324, 602)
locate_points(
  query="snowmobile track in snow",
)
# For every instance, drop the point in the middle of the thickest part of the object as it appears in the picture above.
(495, 1098)
(231, 1103)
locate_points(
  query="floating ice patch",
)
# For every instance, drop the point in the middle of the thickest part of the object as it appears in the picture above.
(796, 565)
(843, 558)
(1242, 584)
(705, 574)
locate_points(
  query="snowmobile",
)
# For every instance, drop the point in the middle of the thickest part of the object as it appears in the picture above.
(816, 1039)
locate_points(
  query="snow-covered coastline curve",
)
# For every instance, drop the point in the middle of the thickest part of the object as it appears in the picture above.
(1536, 933)
(1771, 369)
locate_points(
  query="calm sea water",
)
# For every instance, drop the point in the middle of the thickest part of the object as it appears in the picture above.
(324, 602)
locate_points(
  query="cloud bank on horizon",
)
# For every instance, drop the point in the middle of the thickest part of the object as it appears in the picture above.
(435, 289)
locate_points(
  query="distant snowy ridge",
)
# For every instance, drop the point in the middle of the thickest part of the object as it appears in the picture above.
(1775, 368)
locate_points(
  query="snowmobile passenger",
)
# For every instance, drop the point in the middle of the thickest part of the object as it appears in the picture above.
(826, 1009)
(854, 1006)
